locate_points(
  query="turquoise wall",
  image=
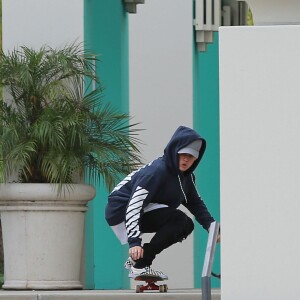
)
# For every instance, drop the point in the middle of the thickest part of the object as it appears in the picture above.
(206, 122)
(106, 33)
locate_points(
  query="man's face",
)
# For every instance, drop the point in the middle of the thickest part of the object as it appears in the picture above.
(185, 161)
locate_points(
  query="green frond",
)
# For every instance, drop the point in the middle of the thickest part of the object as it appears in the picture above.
(54, 127)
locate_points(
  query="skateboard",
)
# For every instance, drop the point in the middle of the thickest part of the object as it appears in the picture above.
(150, 284)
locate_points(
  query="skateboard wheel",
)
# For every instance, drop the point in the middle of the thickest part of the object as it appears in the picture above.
(163, 288)
(138, 289)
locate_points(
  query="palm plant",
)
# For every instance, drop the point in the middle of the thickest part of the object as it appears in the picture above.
(54, 127)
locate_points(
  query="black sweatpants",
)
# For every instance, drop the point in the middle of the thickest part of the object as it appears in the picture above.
(170, 226)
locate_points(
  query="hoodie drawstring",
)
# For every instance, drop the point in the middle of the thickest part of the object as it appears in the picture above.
(182, 188)
(195, 186)
(183, 192)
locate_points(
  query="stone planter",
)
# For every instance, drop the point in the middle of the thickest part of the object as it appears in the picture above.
(43, 235)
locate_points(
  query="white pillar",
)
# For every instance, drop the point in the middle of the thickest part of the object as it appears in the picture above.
(161, 98)
(260, 162)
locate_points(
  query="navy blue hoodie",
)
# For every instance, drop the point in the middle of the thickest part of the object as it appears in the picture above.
(159, 182)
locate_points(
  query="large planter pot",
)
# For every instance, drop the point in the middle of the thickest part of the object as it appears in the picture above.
(43, 235)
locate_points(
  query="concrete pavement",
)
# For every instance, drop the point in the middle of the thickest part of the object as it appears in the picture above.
(188, 294)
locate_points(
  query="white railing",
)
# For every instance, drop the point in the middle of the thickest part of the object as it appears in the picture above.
(209, 260)
(211, 14)
(207, 20)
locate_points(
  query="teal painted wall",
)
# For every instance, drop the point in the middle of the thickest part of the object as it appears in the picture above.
(106, 33)
(206, 122)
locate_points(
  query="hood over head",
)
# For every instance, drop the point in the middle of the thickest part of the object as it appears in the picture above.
(187, 140)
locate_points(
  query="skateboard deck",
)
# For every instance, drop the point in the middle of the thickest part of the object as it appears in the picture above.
(150, 284)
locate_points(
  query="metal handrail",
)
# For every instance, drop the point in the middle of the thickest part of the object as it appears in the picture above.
(209, 260)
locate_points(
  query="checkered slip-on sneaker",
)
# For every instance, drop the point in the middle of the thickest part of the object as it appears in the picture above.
(129, 263)
(134, 272)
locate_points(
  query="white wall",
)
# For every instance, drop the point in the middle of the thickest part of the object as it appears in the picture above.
(161, 83)
(35, 23)
(161, 97)
(260, 162)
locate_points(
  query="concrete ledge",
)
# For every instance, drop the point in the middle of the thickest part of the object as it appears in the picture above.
(187, 294)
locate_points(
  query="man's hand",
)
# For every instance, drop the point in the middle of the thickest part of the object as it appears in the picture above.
(219, 235)
(136, 252)
(219, 238)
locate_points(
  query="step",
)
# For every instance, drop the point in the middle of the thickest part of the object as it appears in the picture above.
(187, 294)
